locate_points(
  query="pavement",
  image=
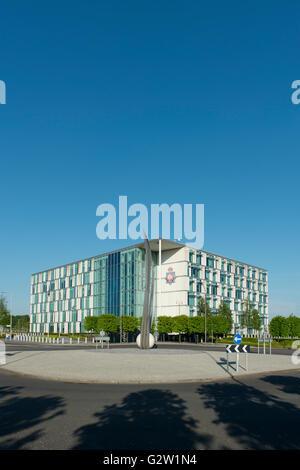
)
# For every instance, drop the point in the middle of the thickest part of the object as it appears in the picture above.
(132, 365)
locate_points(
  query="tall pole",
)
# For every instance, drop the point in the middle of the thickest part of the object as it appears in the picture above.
(11, 305)
(160, 276)
(205, 321)
(121, 327)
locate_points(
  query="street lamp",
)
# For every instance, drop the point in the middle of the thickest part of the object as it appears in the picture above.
(121, 328)
(179, 303)
(205, 320)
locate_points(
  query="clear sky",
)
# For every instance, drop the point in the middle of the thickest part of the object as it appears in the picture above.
(169, 101)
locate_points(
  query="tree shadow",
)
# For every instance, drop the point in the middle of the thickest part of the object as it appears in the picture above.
(150, 419)
(8, 390)
(19, 414)
(255, 419)
(286, 383)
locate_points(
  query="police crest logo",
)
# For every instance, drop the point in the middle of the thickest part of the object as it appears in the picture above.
(170, 276)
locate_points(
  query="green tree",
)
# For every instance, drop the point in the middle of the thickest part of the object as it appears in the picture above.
(152, 330)
(181, 325)
(202, 305)
(165, 325)
(293, 326)
(4, 313)
(129, 324)
(246, 315)
(108, 322)
(225, 312)
(196, 326)
(255, 320)
(91, 323)
(20, 322)
(217, 324)
(203, 310)
(279, 326)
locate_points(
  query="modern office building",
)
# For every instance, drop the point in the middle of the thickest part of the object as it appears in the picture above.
(114, 283)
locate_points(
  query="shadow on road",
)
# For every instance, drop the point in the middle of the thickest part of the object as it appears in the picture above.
(19, 414)
(255, 419)
(150, 419)
(287, 384)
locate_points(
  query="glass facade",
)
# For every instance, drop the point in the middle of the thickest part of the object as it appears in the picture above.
(111, 283)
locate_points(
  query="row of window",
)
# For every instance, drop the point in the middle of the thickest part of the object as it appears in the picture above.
(212, 262)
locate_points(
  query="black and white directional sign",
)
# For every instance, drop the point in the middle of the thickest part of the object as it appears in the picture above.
(243, 348)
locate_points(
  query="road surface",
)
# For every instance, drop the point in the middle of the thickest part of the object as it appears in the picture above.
(253, 412)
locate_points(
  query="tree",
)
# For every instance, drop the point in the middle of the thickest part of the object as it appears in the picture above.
(20, 322)
(152, 330)
(225, 312)
(91, 323)
(201, 307)
(246, 315)
(165, 325)
(218, 324)
(4, 313)
(108, 322)
(181, 325)
(196, 326)
(279, 326)
(129, 324)
(293, 326)
(255, 320)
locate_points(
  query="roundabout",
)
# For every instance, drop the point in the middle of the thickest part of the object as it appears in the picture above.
(136, 366)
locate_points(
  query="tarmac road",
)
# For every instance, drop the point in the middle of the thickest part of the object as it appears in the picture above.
(25, 346)
(253, 412)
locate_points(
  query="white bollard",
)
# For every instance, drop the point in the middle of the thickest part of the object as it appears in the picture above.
(85, 340)
(70, 340)
(63, 341)
(78, 340)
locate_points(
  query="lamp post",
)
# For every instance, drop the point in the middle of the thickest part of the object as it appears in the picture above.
(179, 303)
(11, 309)
(205, 320)
(121, 328)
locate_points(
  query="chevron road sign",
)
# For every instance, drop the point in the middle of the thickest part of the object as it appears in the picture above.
(236, 348)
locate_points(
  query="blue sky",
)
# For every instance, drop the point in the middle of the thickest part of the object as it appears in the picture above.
(99, 92)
